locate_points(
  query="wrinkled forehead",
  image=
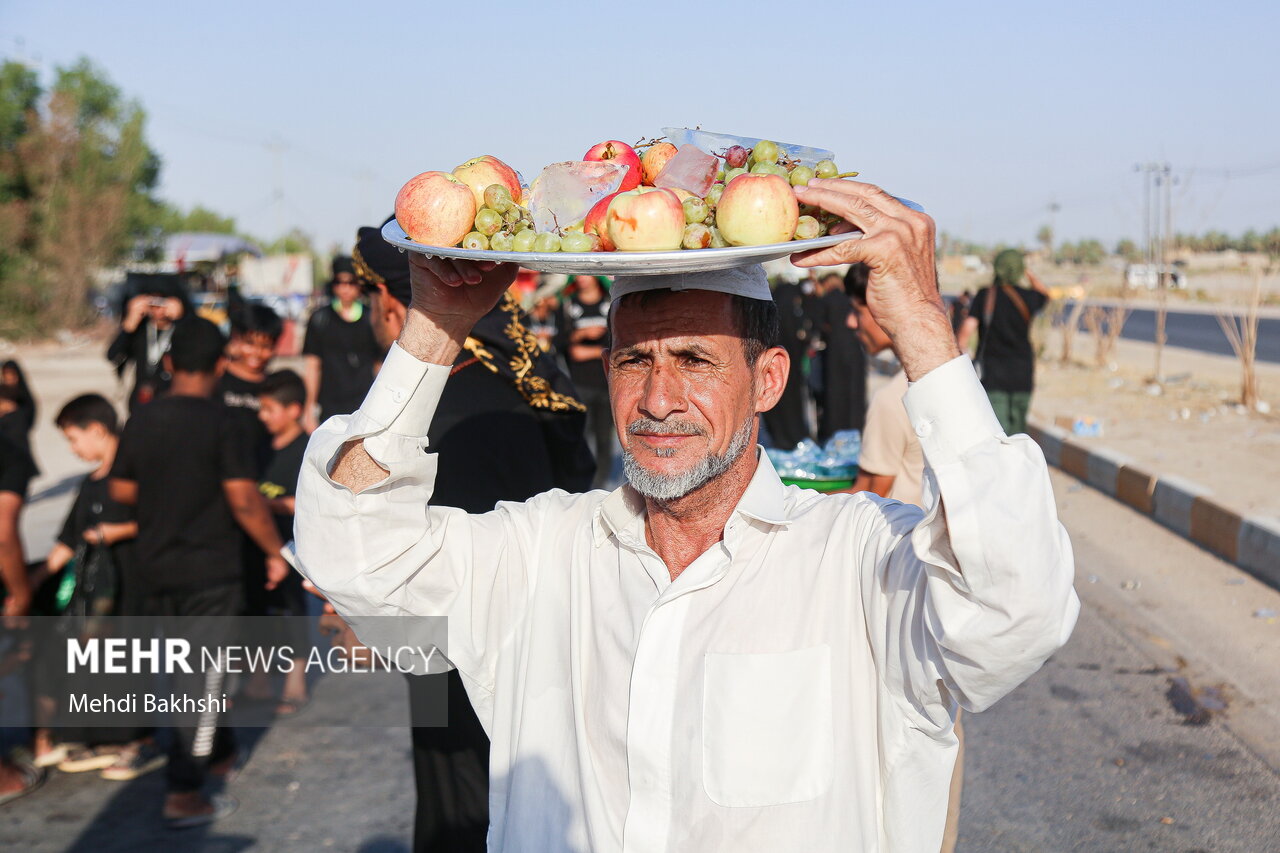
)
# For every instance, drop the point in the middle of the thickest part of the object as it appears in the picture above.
(653, 316)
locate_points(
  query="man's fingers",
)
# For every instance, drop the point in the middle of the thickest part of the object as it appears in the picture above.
(858, 249)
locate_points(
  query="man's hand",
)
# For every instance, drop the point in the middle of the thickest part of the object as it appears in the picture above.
(277, 570)
(902, 290)
(134, 312)
(449, 297)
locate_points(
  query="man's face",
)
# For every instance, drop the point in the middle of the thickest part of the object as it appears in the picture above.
(345, 288)
(680, 387)
(874, 340)
(253, 350)
(387, 314)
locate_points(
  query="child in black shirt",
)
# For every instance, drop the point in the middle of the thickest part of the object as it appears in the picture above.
(255, 331)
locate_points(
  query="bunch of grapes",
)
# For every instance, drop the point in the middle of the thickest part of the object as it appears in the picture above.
(503, 225)
(765, 158)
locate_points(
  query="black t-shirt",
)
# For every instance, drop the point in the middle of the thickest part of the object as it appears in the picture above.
(240, 396)
(1004, 349)
(16, 468)
(280, 480)
(575, 315)
(348, 352)
(93, 506)
(180, 450)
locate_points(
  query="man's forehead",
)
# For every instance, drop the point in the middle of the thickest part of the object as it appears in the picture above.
(674, 316)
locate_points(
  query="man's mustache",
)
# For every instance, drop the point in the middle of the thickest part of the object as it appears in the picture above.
(671, 427)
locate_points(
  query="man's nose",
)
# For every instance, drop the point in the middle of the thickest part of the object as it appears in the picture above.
(663, 393)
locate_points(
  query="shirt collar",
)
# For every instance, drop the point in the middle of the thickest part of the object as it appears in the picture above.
(764, 500)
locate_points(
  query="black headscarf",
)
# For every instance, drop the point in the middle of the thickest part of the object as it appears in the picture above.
(502, 343)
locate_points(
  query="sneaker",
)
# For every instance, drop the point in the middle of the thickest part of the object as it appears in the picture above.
(135, 760)
(80, 759)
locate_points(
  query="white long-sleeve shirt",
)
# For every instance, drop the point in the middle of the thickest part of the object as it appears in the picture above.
(792, 690)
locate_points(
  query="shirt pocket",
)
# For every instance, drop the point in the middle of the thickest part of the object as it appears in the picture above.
(767, 731)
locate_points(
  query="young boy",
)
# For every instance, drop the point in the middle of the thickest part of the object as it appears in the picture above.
(282, 397)
(255, 331)
(183, 462)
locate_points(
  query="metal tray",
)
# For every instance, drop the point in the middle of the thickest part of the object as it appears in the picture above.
(616, 263)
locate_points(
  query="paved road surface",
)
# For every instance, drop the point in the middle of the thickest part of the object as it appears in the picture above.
(1196, 330)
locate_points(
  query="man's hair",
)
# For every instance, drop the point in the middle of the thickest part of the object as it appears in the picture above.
(89, 409)
(756, 319)
(197, 345)
(285, 387)
(855, 282)
(255, 318)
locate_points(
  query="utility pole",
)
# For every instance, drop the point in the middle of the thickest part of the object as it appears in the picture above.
(1164, 228)
(277, 149)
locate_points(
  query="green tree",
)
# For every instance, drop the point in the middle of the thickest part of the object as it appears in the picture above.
(1128, 250)
(78, 178)
(1045, 238)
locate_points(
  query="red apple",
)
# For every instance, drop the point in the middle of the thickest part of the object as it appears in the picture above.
(757, 209)
(645, 219)
(624, 154)
(654, 159)
(480, 172)
(435, 208)
(595, 222)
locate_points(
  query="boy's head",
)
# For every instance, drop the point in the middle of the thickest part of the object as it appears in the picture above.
(281, 400)
(255, 330)
(196, 347)
(90, 424)
(874, 340)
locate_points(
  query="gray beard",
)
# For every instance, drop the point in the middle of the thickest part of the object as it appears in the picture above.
(670, 487)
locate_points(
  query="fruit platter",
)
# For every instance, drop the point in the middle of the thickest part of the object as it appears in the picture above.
(686, 201)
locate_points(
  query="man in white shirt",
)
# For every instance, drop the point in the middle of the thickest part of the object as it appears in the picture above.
(705, 659)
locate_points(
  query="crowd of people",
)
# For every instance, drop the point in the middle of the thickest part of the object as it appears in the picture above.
(190, 501)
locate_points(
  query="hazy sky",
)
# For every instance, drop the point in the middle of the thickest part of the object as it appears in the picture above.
(985, 113)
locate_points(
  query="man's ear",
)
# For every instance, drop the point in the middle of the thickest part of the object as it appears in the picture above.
(221, 366)
(167, 361)
(772, 369)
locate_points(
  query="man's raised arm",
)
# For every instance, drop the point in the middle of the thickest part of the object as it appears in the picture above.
(978, 593)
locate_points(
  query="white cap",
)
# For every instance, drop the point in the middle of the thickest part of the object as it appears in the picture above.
(748, 281)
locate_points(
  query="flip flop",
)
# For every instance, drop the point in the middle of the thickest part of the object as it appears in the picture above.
(32, 777)
(223, 805)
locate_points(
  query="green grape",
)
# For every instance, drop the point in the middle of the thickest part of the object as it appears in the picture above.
(695, 210)
(475, 240)
(826, 169)
(807, 228)
(765, 152)
(488, 222)
(696, 236)
(522, 225)
(512, 215)
(720, 175)
(575, 241)
(731, 174)
(810, 210)
(502, 242)
(768, 169)
(523, 241)
(717, 239)
(801, 175)
(713, 194)
(546, 242)
(498, 197)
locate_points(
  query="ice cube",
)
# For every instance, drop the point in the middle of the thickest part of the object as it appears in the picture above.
(690, 169)
(565, 192)
(718, 143)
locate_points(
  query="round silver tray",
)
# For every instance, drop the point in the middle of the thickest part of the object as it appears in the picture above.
(615, 263)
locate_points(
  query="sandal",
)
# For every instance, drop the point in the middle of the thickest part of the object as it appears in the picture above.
(32, 777)
(223, 805)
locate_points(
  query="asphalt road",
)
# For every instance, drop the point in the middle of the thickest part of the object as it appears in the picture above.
(1199, 331)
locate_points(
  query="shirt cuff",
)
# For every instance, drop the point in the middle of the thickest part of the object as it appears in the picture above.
(405, 393)
(950, 412)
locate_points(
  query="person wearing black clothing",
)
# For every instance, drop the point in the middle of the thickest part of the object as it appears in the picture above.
(255, 331)
(184, 464)
(582, 336)
(1001, 316)
(843, 402)
(507, 427)
(145, 333)
(17, 405)
(340, 349)
(788, 421)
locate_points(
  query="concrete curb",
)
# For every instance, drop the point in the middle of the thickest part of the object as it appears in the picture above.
(1188, 509)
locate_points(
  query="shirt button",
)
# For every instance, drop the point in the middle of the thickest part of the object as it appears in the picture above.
(924, 428)
(397, 395)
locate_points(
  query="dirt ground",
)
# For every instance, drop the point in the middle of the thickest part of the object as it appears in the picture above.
(1193, 427)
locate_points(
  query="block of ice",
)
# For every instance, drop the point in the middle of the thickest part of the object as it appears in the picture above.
(718, 143)
(565, 192)
(690, 169)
